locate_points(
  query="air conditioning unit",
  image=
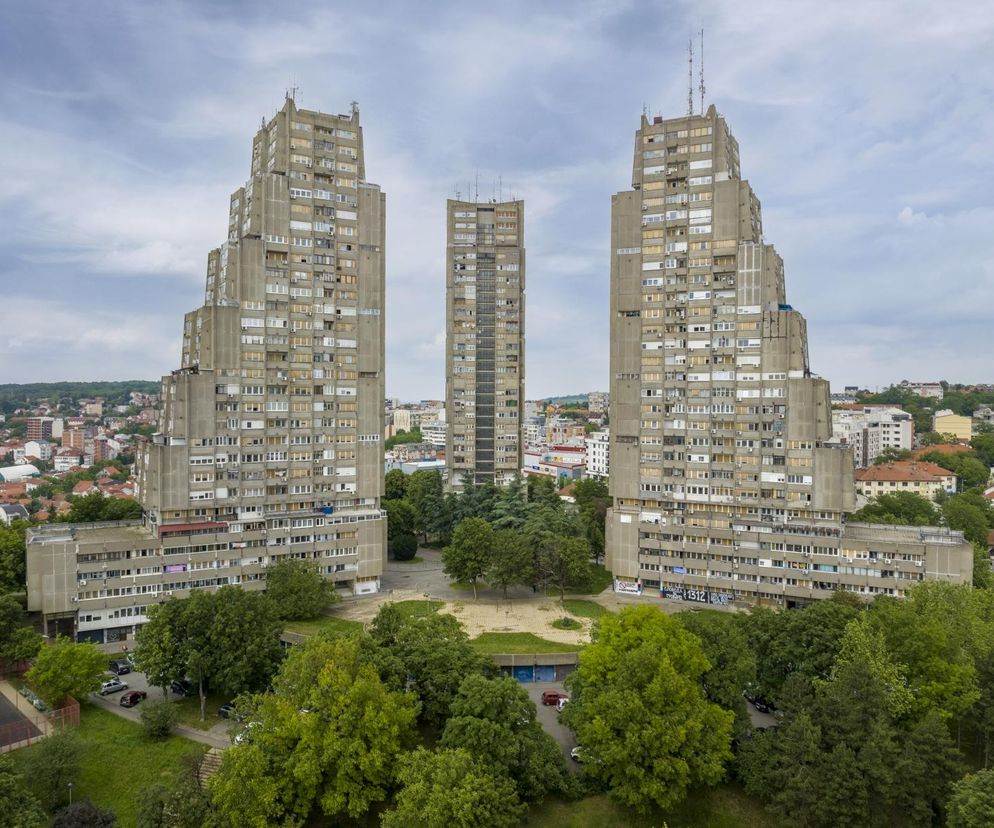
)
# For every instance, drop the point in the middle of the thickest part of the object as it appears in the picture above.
(82, 583)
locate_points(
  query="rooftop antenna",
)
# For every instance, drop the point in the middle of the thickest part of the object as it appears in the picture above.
(476, 192)
(500, 188)
(702, 71)
(292, 89)
(355, 108)
(690, 76)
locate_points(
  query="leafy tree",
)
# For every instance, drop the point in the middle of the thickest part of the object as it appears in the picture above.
(181, 802)
(890, 454)
(563, 563)
(405, 547)
(493, 719)
(330, 736)
(542, 491)
(927, 767)
(972, 802)
(94, 507)
(431, 656)
(733, 665)
(396, 485)
(512, 561)
(53, 765)
(17, 642)
(158, 718)
(298, 590)
(18, 805)
(983, 445)
(403, 437)
(969, 469)
(902, 508)
(159, 654)
(452, 789)
(470, 552)
(968, 518)
(511, 506)
(798, 640)
(228, 640)
(424, 493)
(66, 669)
(639, 711)
(12, 551)
(83, 814)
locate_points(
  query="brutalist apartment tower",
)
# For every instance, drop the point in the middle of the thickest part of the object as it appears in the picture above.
(485, 340)
(725, 487)
(269, 442)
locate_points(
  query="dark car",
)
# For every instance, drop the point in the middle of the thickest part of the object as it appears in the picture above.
(181, 687)
(762, 705)
(550, 697)
(132, 697)
(119, 668)
(227, 711)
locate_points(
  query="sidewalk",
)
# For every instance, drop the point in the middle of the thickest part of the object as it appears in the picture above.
(211, 737)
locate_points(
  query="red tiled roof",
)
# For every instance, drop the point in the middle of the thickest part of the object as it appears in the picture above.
(901, 470)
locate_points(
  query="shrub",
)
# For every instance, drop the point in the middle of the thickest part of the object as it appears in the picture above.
(158, 719)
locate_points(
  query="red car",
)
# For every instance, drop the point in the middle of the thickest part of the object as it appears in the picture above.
(550, 697)
(132, 697)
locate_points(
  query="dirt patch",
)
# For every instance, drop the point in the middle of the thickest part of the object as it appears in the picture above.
(534, 615)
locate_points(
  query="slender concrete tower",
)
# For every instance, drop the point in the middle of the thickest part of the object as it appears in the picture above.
(485, 340)
(725, 486)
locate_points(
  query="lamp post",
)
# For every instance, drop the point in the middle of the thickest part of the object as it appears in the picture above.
(70, 793)
(427, 603)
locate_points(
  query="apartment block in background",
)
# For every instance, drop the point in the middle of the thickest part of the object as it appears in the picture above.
(485, 340)
(869, 429)
(725, 485)
(270, 435)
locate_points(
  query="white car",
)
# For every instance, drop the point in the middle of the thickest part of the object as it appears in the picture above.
(243, 736)
(561, 704)
(112, 686)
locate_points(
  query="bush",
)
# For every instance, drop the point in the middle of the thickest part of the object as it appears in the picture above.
(53, 766)
(158, 719)
(83, 814)
(405, 547)
(566, 623)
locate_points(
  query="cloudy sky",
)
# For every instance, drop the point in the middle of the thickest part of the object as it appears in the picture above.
(865, 128)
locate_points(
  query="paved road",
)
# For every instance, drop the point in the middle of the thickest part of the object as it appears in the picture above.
(548, 716)
(216, 736)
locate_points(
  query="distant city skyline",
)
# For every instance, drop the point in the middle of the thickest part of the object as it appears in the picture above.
(863, 130)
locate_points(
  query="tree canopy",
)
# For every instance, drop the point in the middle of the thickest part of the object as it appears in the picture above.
(646, 728)
(298, 590)
(64, 668)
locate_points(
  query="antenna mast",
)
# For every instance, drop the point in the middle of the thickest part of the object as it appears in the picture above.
(702, 71)
(690, 76)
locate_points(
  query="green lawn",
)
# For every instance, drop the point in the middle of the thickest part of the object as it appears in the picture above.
(599, 580)
(566, 623)
(189, 710)
(584, 609)
(723, 807)
(117, 760)
(418, 609)
(494, 643)
(327, 623)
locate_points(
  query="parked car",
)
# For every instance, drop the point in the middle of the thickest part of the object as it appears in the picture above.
(550, 697)
(182, 687)
(120, 667)
(113, 686)
(227, 711)
(241, 737)
(762, 705)
(132, 697)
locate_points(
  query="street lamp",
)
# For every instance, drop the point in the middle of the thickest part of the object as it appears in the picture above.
(70, 793)
(427, 603)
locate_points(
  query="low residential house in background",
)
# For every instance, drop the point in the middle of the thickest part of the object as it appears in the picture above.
(916, 476)
(942, 448)
(9, 512)
(928, 390)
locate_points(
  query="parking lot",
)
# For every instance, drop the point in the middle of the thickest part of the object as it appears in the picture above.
(548, 716)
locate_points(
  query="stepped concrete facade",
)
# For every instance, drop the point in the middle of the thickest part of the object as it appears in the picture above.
(726, 485)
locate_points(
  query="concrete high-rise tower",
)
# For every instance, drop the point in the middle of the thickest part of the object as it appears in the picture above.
(725, 486)
(270, 437)
(485, 340)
